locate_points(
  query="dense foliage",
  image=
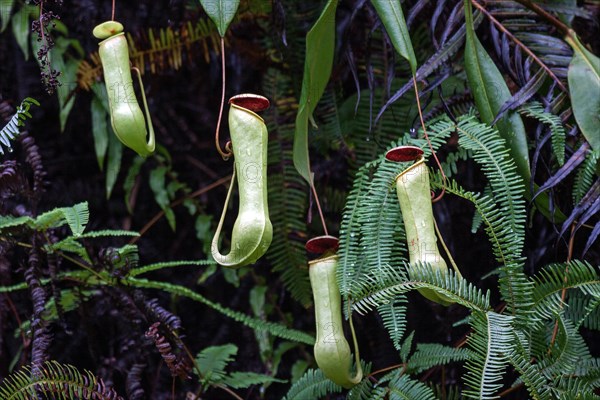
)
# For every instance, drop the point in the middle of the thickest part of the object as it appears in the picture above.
(107, 284)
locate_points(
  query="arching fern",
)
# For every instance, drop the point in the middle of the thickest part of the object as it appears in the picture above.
(57, 381)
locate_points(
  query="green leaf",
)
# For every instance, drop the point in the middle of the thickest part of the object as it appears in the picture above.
(490, 340)
(584, 88)
(204, 232)
(99, 130)
(392, 17)
(257, 300)
(21, 28)
(320, 45)
(298, 369)
(161, 195)
(129, 182)
(213, 360)
(242, 380)
(115, 153)
(77, 217)
(10, 221)
(221, 12)
(490, 92)
(6, 7)
(68, 74)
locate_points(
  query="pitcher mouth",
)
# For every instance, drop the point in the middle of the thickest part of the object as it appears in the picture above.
(404, 153)
(249, 101)
(322, 244)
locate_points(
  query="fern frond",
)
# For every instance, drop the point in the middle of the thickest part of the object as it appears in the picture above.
(550, 282)
(362, 391)
(393, 315)
(76, 217)
(573, 388)
(586, 174)
(312, 385)
(429, 355)
(254, 323)
(450, 164)
(589, 371)
(169, 264)
(349, 250)
(11, 130)
(569, 349)
(403, 387)
(381, 229)
(583, 310)
(388, 282)
(108, 233)
(8, 221)
(490, 340)
(243, 380)
(213, 360)
(535, 110)
(58, 381)
(491, 153)
(530, 374)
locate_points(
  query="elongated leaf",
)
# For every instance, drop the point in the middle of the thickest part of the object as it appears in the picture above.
(161, 196)
(99, 130)
(448, 49)
(320, 44)
(490, 92)
(584, 87)
(592, 238)
(524, 94)
(6, 7)
(115, 153)
(392, 17)
(221, 12)
(21, 28)
(577, 158)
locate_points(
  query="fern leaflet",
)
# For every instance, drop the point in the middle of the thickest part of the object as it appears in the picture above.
(11, 129)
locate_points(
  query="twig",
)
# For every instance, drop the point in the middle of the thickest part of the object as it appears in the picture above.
(312, 186)
(563, 293)
(444, 179)
(175, 203)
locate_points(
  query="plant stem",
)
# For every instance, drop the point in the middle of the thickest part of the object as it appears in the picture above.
(563, 293)
(444, 179)
(312, 186)
(227, 153)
